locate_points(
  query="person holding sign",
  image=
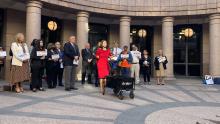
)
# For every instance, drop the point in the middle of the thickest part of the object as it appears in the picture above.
(103, 54)
(124, 61)
(2, 57)
(71, 59)
(38, 59)
(116, 51)
(61, 68)
(146, 66)
(160, 67)
(135, 66)
(52, 65)
(20, 63)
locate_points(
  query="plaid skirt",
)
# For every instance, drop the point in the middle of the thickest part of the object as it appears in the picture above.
(20, 74)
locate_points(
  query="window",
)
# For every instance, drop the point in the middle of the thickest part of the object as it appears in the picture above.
(47, 35)
(97, 32)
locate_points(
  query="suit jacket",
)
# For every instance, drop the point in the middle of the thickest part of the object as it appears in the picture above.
(69, 53)
(86, 54)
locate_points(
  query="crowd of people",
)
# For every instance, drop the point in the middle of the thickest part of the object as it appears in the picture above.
(38, 62)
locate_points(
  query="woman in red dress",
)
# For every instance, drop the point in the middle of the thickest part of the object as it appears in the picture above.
(102, 55)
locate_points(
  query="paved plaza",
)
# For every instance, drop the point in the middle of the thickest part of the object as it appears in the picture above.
(183, 101)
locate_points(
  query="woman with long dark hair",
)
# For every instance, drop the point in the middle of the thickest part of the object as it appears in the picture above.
(103, 54)
(52, 65)
(38, 59)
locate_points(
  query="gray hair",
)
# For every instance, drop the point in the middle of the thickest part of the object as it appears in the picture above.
(18, 35)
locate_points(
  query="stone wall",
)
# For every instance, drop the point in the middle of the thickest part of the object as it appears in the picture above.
(12, 25)
(205, 50)
(142, 7)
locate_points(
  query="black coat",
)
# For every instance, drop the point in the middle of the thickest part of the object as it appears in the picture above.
(157, 63)
(50, 64)
(36, 62)
(70, 53)
(148, 59)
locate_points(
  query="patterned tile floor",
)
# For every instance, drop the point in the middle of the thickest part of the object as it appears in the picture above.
(182, 101)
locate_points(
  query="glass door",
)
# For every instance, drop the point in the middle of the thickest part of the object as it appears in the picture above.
(187, 47)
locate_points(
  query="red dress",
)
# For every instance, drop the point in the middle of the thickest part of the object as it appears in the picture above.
(102, 62)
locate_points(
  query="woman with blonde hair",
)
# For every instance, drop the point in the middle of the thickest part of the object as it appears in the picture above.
(20, 63)
(160, 66)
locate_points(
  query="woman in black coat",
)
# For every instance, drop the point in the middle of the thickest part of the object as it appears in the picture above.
(52, 65)
(145, 63)
(37, 65)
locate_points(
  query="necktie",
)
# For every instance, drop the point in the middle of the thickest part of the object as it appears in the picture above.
(74, 47)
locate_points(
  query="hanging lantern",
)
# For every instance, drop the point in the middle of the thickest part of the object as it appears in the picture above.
(52, 25)
(188, 32)
(142, 33)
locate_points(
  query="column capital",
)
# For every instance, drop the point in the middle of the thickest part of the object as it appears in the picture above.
(214, 16)
(83, 14)
(125, 19)
(168, 19)
(34, 3)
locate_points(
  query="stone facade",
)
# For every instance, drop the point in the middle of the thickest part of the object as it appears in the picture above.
(118, 15)
(142, 7)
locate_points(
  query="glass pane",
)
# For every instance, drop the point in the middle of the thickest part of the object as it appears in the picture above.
(179, 56)
(179, 47)
(179, 69)
(194, 70)
(97, 32)
(194, 56)
(194, 49)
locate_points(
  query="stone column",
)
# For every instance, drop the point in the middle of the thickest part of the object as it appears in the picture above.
(82, 35)
(214, 40)
(125, 31)
(33, 20)
(167, 44)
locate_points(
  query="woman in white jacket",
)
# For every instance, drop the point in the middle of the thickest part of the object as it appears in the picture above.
(20, 63)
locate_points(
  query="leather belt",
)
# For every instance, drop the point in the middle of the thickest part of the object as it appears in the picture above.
(134, 63)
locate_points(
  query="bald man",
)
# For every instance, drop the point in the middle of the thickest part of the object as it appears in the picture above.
(87, 57)
(71, 56)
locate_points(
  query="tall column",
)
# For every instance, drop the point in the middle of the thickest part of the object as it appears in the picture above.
(33, 20)
(214, 40)
(125, 31)
(167, 44)
(82, 34)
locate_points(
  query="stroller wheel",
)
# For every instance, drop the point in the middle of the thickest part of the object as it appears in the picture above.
(115, 91)
(131, 95)
(120, 95)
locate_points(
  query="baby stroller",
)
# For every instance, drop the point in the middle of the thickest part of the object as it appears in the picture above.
(120, 84)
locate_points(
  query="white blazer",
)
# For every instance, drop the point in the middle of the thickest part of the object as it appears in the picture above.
(18, 55)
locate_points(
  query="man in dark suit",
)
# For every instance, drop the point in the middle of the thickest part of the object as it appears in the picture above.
(87, 58)
(71, 59)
